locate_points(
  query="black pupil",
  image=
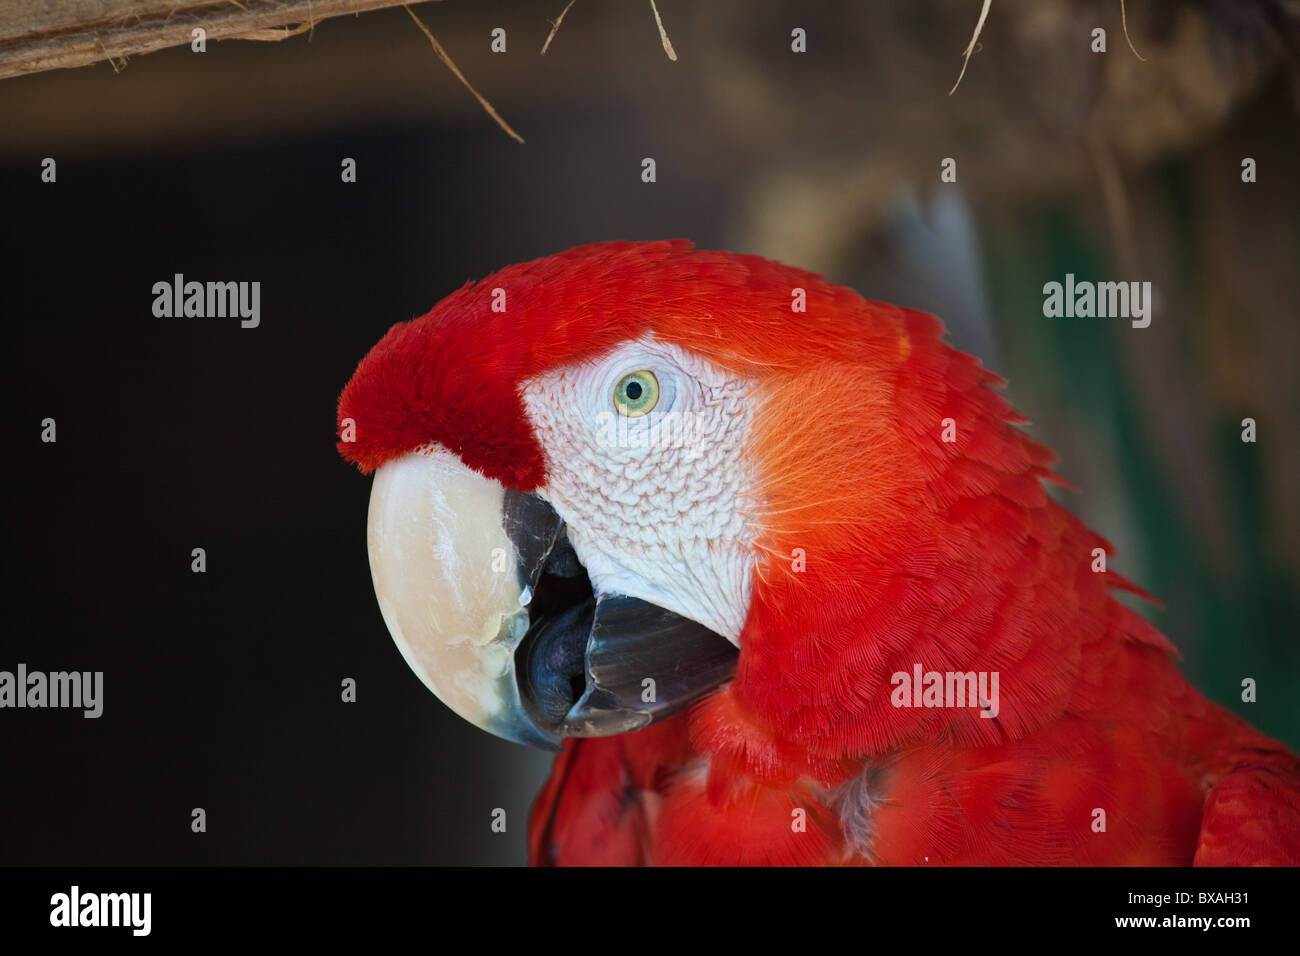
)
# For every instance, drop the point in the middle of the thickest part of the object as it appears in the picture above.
(633, 390)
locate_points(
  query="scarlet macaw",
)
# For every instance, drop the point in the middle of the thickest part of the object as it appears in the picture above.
(776, 569)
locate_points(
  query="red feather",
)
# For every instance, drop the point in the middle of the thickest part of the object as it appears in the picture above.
(919, 551)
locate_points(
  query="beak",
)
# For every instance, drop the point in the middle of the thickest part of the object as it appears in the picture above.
(490, 606)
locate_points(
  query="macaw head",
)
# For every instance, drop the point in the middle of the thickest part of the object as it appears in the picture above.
(609, 481)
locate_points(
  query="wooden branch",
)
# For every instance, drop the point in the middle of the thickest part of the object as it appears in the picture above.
(37, 35)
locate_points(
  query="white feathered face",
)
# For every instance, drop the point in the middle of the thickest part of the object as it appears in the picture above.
(647, 468)
(599, 602)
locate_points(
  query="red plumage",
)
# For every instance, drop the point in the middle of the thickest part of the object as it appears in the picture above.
(947, 555)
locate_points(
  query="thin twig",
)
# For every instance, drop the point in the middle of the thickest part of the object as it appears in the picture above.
(442, 55)
(663, 34)
(555, 27)
(1123, 16)
(270, 34)
(970, 47)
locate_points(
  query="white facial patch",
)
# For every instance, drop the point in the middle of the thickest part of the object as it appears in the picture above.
(656, 505)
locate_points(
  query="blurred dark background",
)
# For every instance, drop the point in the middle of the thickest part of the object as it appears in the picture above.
(222, 690)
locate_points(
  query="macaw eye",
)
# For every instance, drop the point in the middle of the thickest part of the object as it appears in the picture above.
(636, 393)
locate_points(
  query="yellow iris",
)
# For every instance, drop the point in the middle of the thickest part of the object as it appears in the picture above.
(636, 393)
